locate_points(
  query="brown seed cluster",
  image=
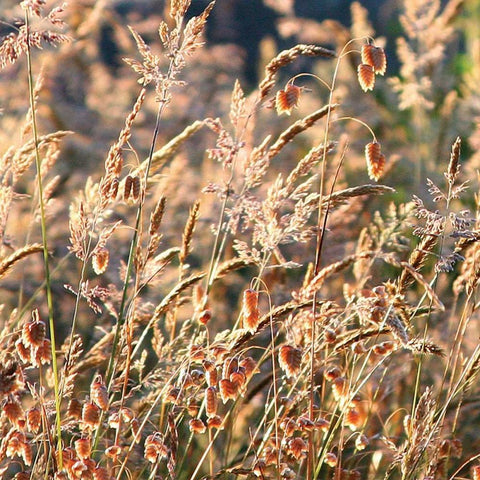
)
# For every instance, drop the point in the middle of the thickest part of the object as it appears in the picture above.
(251, 314)
(290, 359)
(375, 160)
(374, 62)
(287, 99)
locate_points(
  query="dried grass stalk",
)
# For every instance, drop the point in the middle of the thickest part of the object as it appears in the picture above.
(285, 58)
(7, 263)
(340, 197)
(416, 260)
(298, 127)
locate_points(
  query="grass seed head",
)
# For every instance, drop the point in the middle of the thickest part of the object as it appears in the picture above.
(251, 314)
(290, 360)
(375, 57)
(34, 419)
(196, 425)
(90, 416)
(215, 422)
(287, 99)
(211, 401)
(83, 448)
(33, 332)
(366, 77)
(99, 392)
(100, 260)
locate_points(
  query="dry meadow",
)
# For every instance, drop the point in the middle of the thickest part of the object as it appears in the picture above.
(205, 278)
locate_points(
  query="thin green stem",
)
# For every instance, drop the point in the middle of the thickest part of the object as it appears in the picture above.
(48, 286)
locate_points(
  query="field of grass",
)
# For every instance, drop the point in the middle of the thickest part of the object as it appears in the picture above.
(206, 279)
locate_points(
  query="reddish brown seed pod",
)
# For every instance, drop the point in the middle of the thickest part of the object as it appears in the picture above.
(297, 447)
(230, 365)
(376, 169)
(331, 459)
(127, 414)
(238, 378)
(375, 57)
(290, 360)
(113, 451)
(114, 420)
(288, 425)
(100, 260)
(114, 188)
(331, 373)
(361, 442)
(90, 415)
(99, 392)
(83, 468)
(33, 332)
(135, 425)
(340, 388)
(23, 352)
(251, 314)
(14, 412)
(287, 99)
(44, 353)
(353, 418)
(127, 189)
(192, 407)
(220, 352)
(205, 316)
(228, 390)
(14, 442)
(155, 447)
(330, 335)
(270, 455)
(305, 424)
(27, 453)
(173, 395)
(250, 366)
(379, 349)
(375, 160)
(136, 184)
(212, 377)
(83, 448)
(34, 419)
(215, 422)
(366, 77)
(74, 409)
(211, 401)
(208, 365)
(196, 425)
(322, 424)
(197, 353)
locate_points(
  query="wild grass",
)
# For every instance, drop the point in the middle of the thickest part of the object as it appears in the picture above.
(202, 279)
